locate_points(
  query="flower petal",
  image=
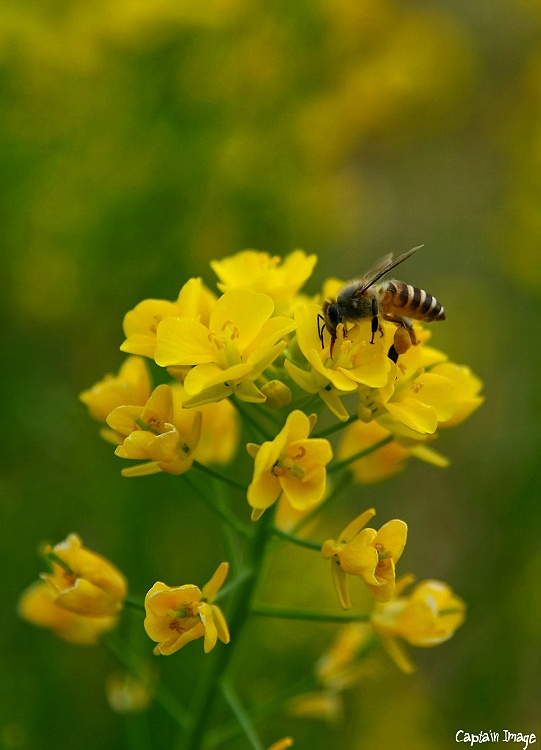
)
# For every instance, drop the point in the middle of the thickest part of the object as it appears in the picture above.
(175, 644)
(211, 588)
(182, 341)
(392, 536)
(209, 375)
(221, 624)
(340, 582)
(356, 525)
(211, 633)
(247, 310)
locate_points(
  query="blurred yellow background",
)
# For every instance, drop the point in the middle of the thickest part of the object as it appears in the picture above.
(140, 140)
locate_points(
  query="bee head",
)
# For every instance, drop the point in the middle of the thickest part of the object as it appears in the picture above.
(333, 316)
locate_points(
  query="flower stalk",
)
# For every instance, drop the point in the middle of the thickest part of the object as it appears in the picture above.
(237, 615)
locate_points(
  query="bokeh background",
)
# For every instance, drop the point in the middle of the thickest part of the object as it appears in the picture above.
(138, 141)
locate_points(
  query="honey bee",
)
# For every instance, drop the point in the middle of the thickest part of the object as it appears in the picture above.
(368, 297)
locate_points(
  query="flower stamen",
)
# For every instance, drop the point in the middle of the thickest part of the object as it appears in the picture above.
(230, 328)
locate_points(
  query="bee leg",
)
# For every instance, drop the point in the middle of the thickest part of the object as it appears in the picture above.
(375, 319)
(404, 323)
(320, 328)
(408, 325)
(392, 354)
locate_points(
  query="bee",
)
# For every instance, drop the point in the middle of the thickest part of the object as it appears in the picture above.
(368, 297)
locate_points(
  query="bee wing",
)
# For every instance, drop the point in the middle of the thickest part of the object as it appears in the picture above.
(381, 267)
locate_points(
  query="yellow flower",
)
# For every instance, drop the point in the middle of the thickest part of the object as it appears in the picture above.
(226, 356)
(82, 581)
(38, 605)
(423, 392)
(282, 744)
(140, 324)
(428, 616)
(354, 361)
(411, 406)
(130, 386)
(385, 461)
(129, 693)
(368, 554)
(292, 464)
(320, 704)
(467, 387)
(150, 434)
(220, 427)
(336, 668)
(261, 272)
(177, 615)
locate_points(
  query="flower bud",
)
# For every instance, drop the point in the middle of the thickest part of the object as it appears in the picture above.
(278, 394)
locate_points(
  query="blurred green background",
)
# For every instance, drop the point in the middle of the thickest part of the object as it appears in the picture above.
(141, 140)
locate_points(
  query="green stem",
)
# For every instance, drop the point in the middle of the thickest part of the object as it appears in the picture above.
(232, 521)
(241, 714)
(296, 540)
(234, 545)
(335, 427)
(219, 660)
(361, 454)
(135, 602)
(220, 477)
(262, 610)
(256, 427)
(262, 710)
(167, 701)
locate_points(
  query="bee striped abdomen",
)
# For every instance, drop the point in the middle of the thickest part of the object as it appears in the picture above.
(415, 302)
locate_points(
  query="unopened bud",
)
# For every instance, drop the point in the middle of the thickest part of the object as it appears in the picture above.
(278, 394)
(364, 413)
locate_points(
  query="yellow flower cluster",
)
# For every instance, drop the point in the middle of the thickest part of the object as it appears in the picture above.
(403, 402)
(431, 613)
(249, 353)
(426, 617)
(259, 342)
(154, 426)
(81, 596)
